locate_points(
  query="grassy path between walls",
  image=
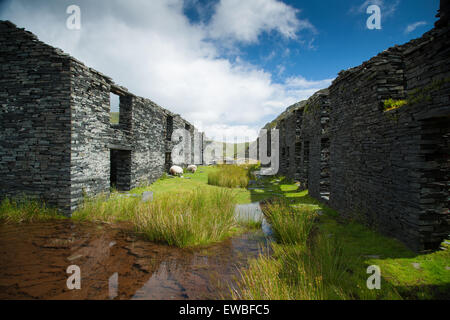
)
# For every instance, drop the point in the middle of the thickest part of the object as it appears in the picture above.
(319, 255)
(316, 254)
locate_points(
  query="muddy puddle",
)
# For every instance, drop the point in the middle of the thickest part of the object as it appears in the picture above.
(116, 264)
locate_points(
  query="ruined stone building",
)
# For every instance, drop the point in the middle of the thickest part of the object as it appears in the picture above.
(385, 160)
(56, 139)
(375, 144)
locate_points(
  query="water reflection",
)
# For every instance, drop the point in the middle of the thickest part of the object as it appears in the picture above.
(115, 264)
(253, 212)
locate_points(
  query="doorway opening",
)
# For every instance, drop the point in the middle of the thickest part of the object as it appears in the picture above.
(434, 193)
(120, 178)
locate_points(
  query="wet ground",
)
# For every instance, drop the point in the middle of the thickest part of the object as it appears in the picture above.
(115, 264)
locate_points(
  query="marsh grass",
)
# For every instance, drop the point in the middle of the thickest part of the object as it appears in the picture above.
(306, 264)
(184, 220)
(249, 222)
(290, 225)
(230, 176)
(105, 208)
(24, 209)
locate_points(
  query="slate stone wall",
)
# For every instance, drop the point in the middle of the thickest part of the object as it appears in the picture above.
(56, 139)
(427, 76)
(289, 132)
(387, 167)
(367, 167)
(143, 136)
(313, 133)
(34, 118)
(304, 143)
(391, 167)
(90, 132)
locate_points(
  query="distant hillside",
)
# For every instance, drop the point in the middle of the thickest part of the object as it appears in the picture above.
(114, 117)
(230, 149)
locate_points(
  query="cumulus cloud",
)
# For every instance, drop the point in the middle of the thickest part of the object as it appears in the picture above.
(413, 26)
(245, 20)
(153, 49)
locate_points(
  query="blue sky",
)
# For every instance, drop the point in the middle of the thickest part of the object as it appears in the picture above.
(341, 41)
(228, 66)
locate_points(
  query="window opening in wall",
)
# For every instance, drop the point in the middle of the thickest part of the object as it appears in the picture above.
(298, 159)
(287, 157)
(187, 127)
(114, 104)
(306, 163)
(169, 128)
(325, 169)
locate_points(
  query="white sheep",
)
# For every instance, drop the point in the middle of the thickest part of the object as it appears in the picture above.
(192, 168)
(176, 171)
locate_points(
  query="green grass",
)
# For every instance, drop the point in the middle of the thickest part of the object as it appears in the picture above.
(391, 104)
(306, 263)
(104, 208)
(290, 225)
(114, 118)
(185, 211)
(332, 262)
(192, 181)
(249, 221)
(26, 210)
(197, 218)
(199, 179)
(326, 261)
(250, 224)
(180, 218)
(230, 176)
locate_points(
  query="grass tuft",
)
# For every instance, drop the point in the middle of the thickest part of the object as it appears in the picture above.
(187, 219)
(104, 208)
(290, 225)
(26, 210)
(306, 264)
(184, 220)
(230, 176)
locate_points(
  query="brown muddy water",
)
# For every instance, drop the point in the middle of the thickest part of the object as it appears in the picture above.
(116, 264)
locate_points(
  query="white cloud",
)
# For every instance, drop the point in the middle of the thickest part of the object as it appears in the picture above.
(151, 48)
(388, 8)
(222, 132)
(311, 45)
(302, 83)
(411, 27)
(280, 70)
(245, 20)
